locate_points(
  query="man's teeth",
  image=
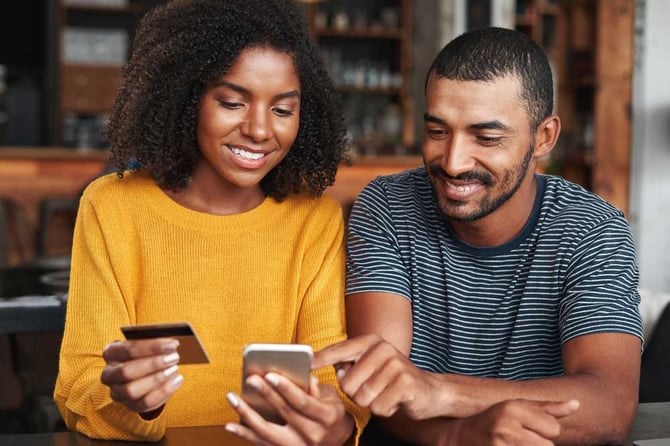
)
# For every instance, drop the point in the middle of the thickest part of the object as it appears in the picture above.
(466, 188)
(246, 155)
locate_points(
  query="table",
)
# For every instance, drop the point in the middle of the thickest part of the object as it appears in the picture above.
(180, 436)
(652, 421)
(46, 314)
(28, 306)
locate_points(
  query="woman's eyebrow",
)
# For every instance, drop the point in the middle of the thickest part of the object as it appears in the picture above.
(240, 89)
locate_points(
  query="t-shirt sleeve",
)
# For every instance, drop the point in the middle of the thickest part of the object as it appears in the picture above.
(374, 260)
(601, 287)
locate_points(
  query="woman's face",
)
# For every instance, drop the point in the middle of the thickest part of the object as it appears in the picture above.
(248, 119)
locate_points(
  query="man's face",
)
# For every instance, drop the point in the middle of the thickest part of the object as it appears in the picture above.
(477, 145)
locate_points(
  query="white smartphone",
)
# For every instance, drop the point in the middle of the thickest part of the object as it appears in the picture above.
(294, 361)
(191, 350)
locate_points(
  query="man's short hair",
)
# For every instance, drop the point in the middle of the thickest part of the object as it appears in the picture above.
(490, 53)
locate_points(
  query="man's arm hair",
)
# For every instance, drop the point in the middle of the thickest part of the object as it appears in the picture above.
(601, 371)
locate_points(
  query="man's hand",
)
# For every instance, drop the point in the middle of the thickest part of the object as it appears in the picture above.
(513, 422)
(376, 375)
(314, 418)
(142, 374)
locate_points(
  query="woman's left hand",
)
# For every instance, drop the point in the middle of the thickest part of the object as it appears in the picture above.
(315, 418)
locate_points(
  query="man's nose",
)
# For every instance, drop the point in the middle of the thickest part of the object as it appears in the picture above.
(457, 157)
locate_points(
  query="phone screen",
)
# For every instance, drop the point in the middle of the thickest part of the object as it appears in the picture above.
(294, 361)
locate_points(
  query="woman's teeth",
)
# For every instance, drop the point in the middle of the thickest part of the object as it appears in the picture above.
(246, 155)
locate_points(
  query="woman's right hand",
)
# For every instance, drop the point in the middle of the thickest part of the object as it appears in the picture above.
(142, 374)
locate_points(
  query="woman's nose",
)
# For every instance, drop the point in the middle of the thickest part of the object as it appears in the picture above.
(257, 126)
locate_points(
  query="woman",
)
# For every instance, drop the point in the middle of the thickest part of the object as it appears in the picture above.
(236, 130)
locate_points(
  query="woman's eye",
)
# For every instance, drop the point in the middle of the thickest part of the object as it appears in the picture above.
(231, 105)
(282, 111)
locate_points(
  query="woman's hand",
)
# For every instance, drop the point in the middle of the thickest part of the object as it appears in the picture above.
(315, 418)
(142, 374)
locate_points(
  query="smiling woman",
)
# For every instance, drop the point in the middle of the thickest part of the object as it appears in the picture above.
(249, 119)
(235, 135)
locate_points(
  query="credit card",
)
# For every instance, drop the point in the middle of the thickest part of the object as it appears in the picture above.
(191, 350)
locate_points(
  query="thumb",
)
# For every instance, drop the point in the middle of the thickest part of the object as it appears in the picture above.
(314, 389)
(560, 409)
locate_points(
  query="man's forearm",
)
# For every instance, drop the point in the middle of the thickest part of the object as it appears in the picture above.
(605, 415)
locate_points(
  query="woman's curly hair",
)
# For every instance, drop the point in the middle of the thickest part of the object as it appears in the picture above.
(182, 46)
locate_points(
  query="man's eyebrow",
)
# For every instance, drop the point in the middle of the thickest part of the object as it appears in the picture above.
(489, 125)
(427, 117)
(240, 89)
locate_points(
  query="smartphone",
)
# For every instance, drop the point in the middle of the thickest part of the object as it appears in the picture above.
(294, 361)
(191, 350)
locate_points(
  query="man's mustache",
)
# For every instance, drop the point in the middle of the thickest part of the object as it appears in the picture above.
(435, 169)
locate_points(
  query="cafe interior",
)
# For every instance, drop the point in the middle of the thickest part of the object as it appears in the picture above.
(60, 64)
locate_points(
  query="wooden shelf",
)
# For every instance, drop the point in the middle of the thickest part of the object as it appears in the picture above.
(131, 9)
(368, 90)
(361, 33)
(86, 90)
(593, 68)
(364, 50)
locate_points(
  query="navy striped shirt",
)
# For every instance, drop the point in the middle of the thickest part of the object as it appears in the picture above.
(504, 311)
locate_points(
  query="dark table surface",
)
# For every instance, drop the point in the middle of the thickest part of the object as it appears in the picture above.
(652, 421)
(44, 311)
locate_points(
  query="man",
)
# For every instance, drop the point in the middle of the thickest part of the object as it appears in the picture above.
(488, 304)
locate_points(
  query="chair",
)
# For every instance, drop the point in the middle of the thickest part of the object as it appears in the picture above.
(4, 236)
(49, 209)
(13, 244)
(654, 384)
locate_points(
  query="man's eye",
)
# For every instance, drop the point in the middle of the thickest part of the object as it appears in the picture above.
(436, 133)
(489, 140)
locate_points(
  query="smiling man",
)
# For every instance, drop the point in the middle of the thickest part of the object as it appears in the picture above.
(488, 304)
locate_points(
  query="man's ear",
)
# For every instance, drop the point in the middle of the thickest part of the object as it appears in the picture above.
(546, 135)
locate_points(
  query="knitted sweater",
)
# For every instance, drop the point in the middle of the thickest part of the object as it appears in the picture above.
(273, 274)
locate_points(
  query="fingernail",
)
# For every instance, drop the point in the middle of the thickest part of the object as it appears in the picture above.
(272, 378)
(170, 346)
(231, 428)
(341, 374)
(170, 371)
(232, 399)
(171, 358)
(176, 381)
(109, 345)
(255, 382)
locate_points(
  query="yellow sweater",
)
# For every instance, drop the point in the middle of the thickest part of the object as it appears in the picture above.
(273, 274)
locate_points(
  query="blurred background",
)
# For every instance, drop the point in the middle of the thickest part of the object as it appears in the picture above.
(60, 64)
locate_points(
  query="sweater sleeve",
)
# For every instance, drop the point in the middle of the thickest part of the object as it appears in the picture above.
(95, 311)
(321, 322)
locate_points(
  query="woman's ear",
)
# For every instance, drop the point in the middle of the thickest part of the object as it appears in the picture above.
(546, 135)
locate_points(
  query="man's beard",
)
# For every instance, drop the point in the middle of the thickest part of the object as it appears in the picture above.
(513, 177)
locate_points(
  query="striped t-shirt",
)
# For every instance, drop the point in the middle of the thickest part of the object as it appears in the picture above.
(503, 311)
